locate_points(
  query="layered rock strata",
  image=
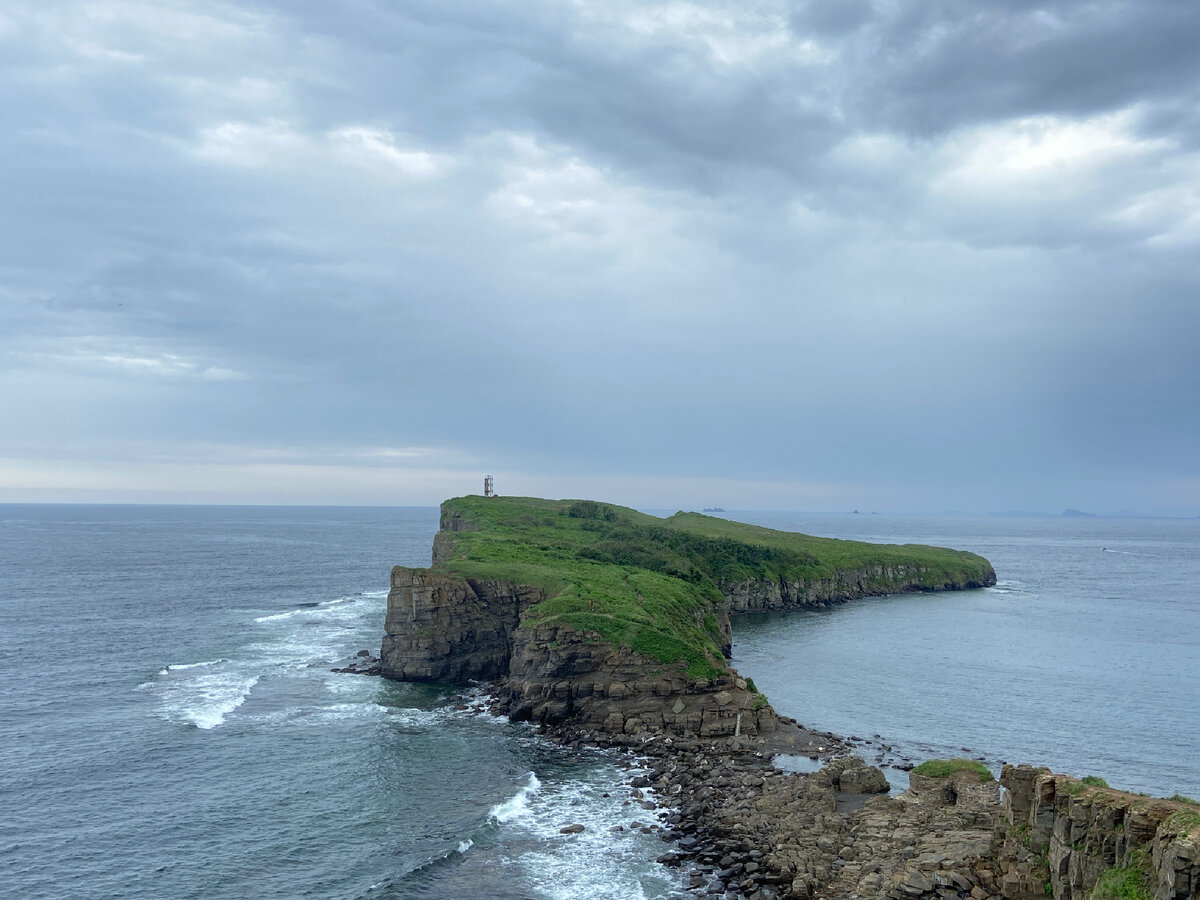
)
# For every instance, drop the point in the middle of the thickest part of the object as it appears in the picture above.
(558, 674)
(447, 628)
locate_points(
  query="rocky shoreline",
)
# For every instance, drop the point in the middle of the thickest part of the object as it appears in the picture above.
(741, 828)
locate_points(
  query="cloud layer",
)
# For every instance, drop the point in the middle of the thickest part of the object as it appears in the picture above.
(886, 254)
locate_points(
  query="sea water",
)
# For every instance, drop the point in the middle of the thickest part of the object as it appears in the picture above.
(169, 726)
(1084, 657)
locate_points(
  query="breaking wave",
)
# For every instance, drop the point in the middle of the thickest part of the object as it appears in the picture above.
(298, 643)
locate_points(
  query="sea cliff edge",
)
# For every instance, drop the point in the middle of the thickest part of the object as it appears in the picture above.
(617, 621)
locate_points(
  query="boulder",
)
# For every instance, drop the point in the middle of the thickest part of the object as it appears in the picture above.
(851, 775)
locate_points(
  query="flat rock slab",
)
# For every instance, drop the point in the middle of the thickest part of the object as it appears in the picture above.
(850, 803)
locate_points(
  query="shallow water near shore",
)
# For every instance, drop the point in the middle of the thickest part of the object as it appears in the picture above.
(169, 726)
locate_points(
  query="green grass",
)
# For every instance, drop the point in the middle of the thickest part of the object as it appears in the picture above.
(653, 584)
(1179, 798)
(657, 616)
(1130, 882)
(750, 551)
(940, 768)
(1076, 787)
(1183, 821)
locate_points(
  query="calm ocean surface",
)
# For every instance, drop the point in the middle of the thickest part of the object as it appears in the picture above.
(169, 726)
(1085, 657)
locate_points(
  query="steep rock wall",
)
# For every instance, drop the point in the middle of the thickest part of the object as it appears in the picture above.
(559, 674)
(756, 595)
(1069, 834)
(447, 628)
(450, 629)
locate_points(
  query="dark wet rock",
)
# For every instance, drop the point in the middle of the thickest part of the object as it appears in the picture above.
(362, 663)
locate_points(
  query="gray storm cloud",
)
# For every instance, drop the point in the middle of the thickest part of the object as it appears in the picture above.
(819, 255)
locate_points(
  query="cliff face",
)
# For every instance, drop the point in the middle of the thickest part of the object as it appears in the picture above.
(447, 628)
(1078, 840)
(451, 629)
(559, 674)
(756, 595)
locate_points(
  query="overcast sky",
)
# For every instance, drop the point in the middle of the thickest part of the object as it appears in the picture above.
(894, 255)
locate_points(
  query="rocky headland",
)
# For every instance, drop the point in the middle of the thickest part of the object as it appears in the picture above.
(609, 628)
(617, 621)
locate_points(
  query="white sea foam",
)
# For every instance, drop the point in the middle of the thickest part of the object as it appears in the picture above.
(600, 861)
(413, 718)
(348, 687)
(202, 699)
(177, 667)
(1008, 587)
(298, 643)
(283, 615)
(307, 715)
(344, 711)
(327, 609)
(464, 846)
(327, 632)
(518, 805)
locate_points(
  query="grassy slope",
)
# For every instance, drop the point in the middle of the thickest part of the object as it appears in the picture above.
(651, 583)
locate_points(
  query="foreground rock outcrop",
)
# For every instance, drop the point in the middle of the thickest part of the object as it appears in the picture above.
(745, 829)
(1078, 839)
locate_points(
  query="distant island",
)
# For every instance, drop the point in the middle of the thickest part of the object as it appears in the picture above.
(713, 509)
